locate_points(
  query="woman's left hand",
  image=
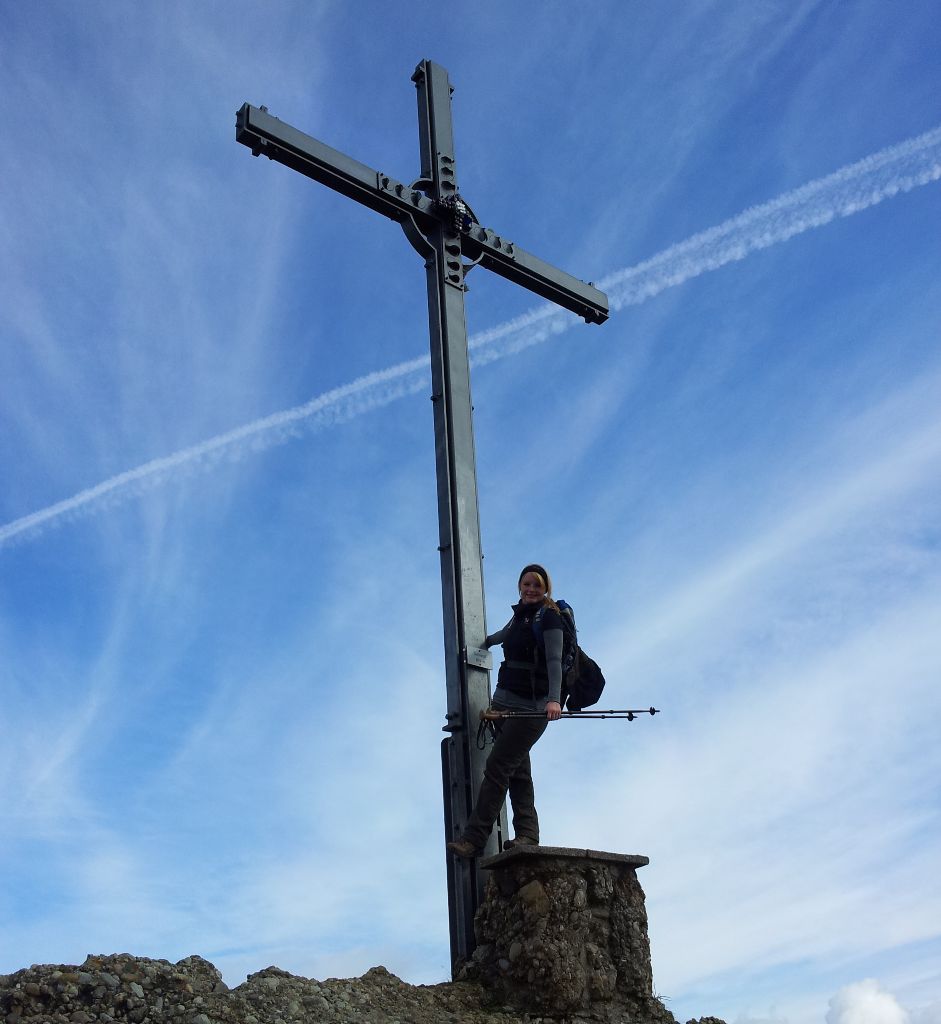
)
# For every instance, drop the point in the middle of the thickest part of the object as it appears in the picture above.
(553, 710)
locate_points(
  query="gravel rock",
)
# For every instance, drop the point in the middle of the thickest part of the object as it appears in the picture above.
(122, 988)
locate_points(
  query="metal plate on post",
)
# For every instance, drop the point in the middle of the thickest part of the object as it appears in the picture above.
(479, 657)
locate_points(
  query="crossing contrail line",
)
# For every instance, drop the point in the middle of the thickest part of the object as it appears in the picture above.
(851, 189)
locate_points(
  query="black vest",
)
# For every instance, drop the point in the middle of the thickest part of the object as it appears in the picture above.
(524, 666)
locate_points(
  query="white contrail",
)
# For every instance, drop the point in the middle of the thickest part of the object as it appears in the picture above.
(891, 171)
(853, 188)
(342, 403)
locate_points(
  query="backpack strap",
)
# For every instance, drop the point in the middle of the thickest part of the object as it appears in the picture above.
(566, 614)
(537, 624)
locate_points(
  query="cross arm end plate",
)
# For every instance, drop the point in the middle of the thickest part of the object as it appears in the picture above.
(515, 264)
(265, 134)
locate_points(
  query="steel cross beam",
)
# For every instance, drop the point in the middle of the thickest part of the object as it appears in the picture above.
(445, 231)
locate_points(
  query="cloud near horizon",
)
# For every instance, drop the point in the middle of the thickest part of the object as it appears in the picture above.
(866, 1002)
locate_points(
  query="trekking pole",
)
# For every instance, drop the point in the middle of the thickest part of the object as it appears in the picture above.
(493, 715)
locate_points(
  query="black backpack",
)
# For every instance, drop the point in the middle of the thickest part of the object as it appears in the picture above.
(582, 679)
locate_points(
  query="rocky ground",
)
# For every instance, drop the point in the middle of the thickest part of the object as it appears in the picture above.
(135, 989)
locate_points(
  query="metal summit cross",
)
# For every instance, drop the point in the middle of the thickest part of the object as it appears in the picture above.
(446, 233)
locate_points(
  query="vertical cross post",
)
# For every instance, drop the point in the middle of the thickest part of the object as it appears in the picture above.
(462, 591)
(444, 230)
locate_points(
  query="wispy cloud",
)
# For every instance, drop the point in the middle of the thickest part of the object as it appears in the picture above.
(855, 187)
(902, 442)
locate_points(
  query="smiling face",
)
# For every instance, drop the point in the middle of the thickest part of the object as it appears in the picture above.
(532, 588)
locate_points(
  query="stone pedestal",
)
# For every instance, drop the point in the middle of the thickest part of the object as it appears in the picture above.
(563, 932)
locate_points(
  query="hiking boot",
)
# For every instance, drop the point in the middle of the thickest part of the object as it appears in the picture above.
(520, 841)
(463, 848)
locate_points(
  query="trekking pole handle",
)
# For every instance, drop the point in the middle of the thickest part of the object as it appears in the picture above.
(489, 715)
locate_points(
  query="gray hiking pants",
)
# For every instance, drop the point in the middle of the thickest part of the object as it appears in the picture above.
(508, 770)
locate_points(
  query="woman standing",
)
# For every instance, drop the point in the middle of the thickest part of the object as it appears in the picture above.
(530, 679)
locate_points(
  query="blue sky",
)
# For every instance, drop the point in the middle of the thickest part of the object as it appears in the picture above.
(220, 627)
